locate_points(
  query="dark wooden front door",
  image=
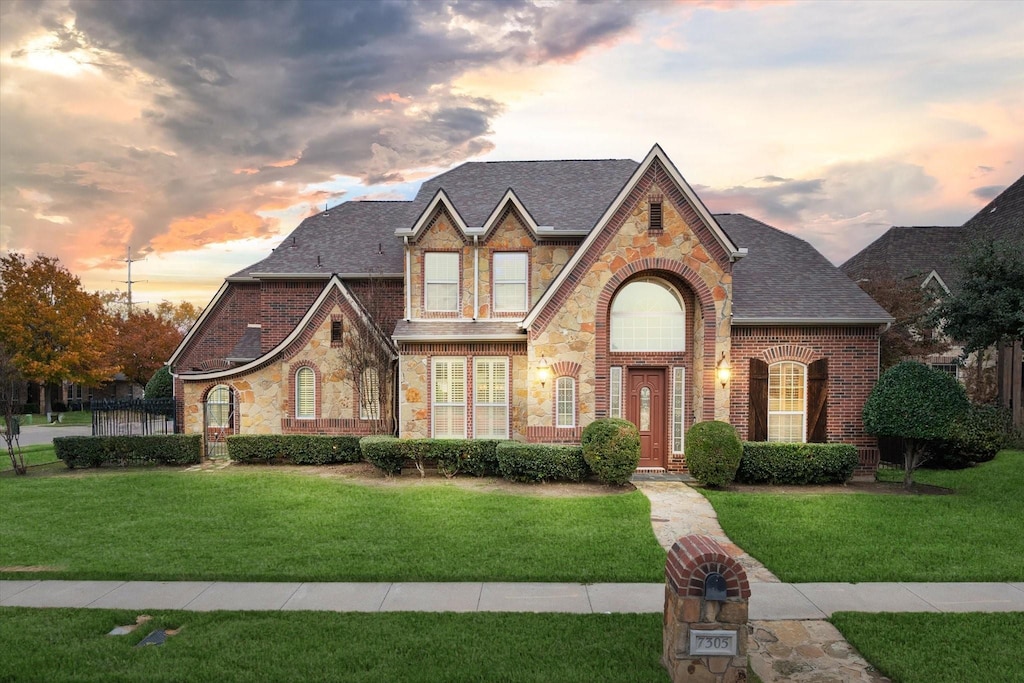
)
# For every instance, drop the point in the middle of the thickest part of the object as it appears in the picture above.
(645, 407)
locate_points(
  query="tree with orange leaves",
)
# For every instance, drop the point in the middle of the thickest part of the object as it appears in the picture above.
(143, 344)
(53, 329)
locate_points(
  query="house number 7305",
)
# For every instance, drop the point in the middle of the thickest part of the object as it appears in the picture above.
(713, 642)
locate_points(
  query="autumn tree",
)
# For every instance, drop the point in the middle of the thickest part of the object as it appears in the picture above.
(53, 329)
(183, 315)
(10, 383)
(142, 344)
(911, 335)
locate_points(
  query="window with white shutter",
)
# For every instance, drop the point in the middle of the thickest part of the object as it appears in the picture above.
(490, 398)
(441, 281)
(448, 399)
(511, 270)
(305, 393)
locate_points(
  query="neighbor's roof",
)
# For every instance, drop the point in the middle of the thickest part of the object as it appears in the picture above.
(784, 279)
(908, 252)
(564, 195)
(1002, 218)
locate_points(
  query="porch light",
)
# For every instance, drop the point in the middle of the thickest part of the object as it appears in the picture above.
(543, 372)
(723, 370)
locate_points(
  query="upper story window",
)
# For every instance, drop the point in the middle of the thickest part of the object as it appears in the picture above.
(787, 402)
(648, 315)
(441, 281)
(305, 393)
(511, 288)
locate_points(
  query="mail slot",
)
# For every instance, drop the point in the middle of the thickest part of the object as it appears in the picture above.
(714, 587)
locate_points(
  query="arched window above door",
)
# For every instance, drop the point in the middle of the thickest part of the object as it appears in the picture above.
(648, 315)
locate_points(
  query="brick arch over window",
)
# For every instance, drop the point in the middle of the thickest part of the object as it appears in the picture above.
(565, 368)
(676, 271)
(783, 352)
(816, 400)
(289, 400)
(233, 399)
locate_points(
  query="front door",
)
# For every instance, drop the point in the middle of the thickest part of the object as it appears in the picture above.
(645, 407)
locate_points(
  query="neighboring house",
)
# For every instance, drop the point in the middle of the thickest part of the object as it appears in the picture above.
(929, 257)
(524, 300)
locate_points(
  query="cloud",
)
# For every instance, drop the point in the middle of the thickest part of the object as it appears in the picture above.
(988, 192)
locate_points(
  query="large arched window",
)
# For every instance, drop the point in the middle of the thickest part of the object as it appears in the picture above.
(218, 407)
(305, 393)
(648, 315)
(787, 402)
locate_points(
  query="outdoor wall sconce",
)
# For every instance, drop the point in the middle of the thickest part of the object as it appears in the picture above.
(543, 372)
(723, 370)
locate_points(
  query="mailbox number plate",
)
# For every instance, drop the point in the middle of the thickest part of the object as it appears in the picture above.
(712, 642)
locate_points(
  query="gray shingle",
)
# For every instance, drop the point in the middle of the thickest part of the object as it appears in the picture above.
(248, 347)
(785, 278)
(482, 329)
(908, 253)
(1003, 217)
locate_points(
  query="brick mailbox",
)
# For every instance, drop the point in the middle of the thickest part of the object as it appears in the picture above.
(705, 624)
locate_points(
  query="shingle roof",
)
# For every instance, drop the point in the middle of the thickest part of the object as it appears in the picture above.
(785, 278)
(345, 238)
(1003, 217)
(248, 347)
(565, 195)
(908, 252)
(464, 329)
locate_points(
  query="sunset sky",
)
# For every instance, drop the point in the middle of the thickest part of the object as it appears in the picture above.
(200, 133)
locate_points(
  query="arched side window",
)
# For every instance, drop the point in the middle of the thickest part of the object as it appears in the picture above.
(565, 402)
(218, 406)
(648, 315)
(787, 402)
(305, 393)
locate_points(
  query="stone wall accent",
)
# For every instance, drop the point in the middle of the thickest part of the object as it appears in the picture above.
(852, 354)
(690, 561)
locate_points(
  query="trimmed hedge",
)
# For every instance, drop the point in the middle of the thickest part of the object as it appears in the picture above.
(611, 447)
(532, 462)
(383, 452)
(713, 452)
(476, 457)
(94, 451)
(975, 437)
(295, 449)
(796, 463)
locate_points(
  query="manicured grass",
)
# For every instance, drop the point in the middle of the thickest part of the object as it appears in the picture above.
(72, 645)
(974, 535)
(74, 417)
(40, 454)
(939, 648)
(262, 525)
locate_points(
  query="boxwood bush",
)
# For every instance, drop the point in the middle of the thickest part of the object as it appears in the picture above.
(713, 452)
(295, 449)
(976, 437)
(796, 463)
(386, 453)
(476, 457)
(611, 447)
(532, 462)
(94, 451)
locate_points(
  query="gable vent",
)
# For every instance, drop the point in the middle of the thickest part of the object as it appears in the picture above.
(654, 216)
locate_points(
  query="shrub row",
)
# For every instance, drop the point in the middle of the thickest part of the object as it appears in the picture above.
(295, 449)
(389, 454)
(796, 463)
(93, 451)
(532, 462)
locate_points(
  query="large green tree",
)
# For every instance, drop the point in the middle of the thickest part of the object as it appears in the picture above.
(988, 306)
(53, 330)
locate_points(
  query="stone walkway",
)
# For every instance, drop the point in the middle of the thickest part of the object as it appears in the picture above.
(804, 651)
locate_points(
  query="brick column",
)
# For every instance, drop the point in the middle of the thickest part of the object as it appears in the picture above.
(705, 620)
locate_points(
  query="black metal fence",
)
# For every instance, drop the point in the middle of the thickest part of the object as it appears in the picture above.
(133, 416)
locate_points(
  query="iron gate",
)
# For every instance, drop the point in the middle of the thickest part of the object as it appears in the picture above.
(219, 417)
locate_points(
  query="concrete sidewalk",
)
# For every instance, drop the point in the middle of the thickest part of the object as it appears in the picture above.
(768, 602)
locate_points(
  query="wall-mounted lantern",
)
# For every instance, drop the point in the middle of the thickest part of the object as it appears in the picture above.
(543, 372)
(723, 370)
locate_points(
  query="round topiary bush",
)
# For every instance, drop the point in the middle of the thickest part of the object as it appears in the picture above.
(611, 448)
(713, 452)
(160, 385)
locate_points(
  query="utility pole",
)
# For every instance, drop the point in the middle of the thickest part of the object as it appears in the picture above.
(130, 281)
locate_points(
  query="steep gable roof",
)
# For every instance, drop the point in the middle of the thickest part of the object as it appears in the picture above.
(784, 279)
(908, 252)
(1002, 218)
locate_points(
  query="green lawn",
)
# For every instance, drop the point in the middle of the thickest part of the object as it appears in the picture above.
(974, 535)
(34, 455)
(939, 648)
(75, 417)
(72, 645)
(257, 524)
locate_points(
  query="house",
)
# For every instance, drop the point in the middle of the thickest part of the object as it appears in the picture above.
(523, 300)
(928, 256)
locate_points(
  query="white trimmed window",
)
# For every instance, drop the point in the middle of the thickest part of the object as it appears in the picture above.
(305, 393)
(565, 402)
(448, 398)
(615, 393)
(441, 281)
(490, 398)
(787, 402)
(678, 381)
(511, 270)
(218, 406)
(648, 315)
(369, 395)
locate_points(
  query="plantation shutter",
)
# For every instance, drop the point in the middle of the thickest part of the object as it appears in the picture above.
(757, 426)
(490, 387)
(449, 398)
(306, 396)
(817, 401)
